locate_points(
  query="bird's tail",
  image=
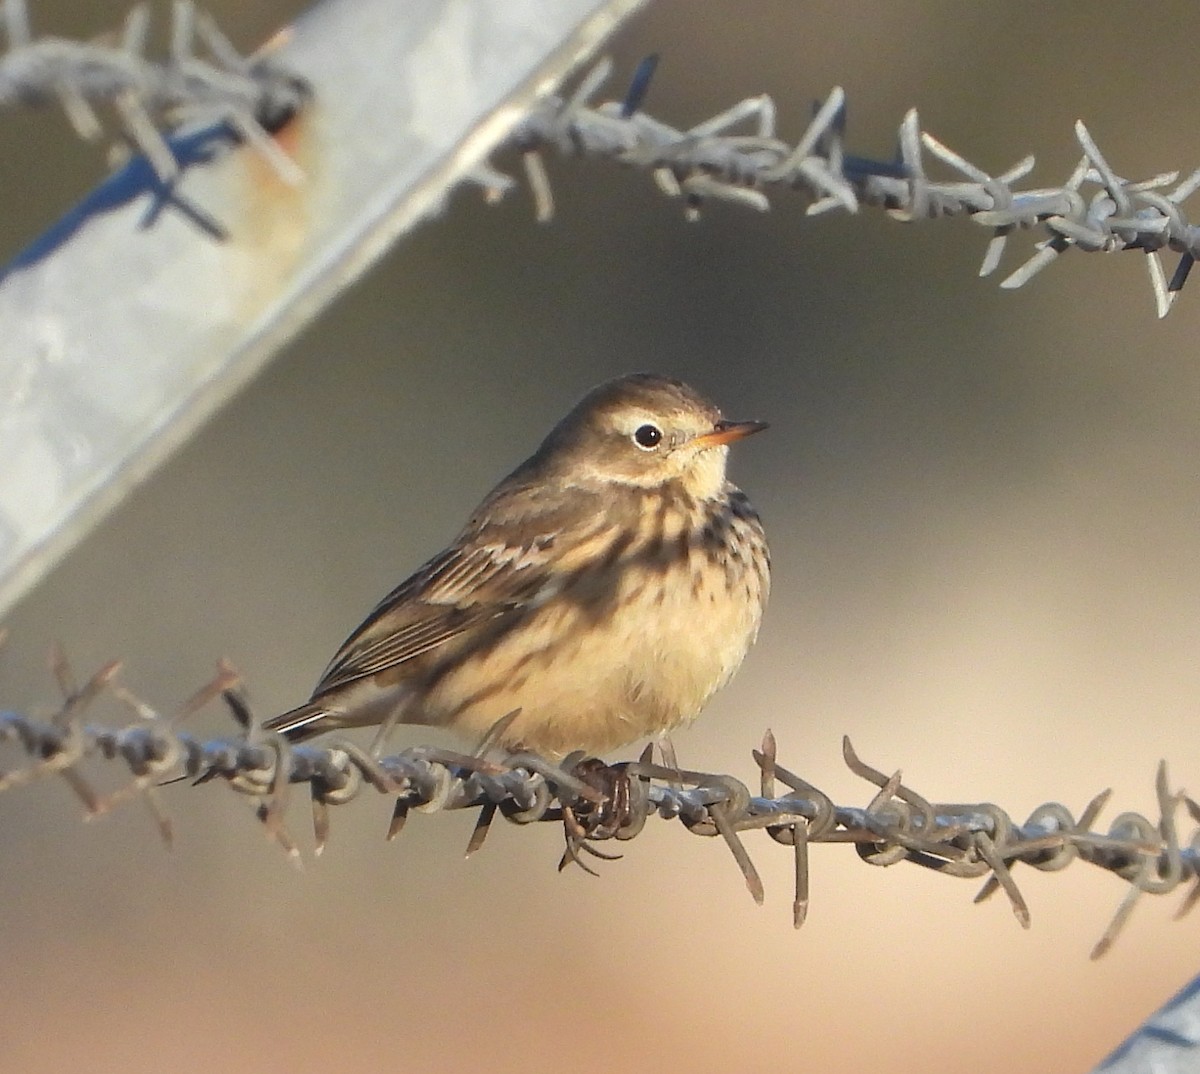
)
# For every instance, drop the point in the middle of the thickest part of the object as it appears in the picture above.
(303, 722)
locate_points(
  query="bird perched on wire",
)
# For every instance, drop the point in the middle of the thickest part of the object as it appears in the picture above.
(602, 592)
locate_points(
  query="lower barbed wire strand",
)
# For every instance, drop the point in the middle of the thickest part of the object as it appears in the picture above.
(600, 802)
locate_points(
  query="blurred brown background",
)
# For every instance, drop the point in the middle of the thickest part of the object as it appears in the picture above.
(983, 512)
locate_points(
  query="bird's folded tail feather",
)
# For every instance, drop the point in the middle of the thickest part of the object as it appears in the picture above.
(300, 723)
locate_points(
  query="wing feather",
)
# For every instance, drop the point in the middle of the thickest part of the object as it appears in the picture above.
(466, 586)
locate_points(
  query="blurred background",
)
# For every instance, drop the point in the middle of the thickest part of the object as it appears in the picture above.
(982, 508)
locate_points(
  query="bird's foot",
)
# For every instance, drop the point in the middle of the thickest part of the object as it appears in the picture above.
(587, 821)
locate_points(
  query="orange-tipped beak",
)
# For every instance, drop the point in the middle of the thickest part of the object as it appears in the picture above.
(726, 432)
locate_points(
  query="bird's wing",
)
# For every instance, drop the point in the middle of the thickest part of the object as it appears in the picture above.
(470, 583)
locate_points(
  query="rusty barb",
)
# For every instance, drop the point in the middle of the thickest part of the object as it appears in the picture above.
(252, 97)
(595, 802)
(736, 156)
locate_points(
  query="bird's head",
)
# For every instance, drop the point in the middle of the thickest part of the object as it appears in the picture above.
(646, 431)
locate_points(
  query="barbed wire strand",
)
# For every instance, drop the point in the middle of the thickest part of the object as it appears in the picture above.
(595, 802)
(1094, 211)
(253, 97)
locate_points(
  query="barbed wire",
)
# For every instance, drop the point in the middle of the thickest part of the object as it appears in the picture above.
(596, 802)
(1094, 210)
(253, 98)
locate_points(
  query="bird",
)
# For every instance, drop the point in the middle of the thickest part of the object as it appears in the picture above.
(601, 593)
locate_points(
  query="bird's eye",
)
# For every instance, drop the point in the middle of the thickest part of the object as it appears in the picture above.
(647, 437)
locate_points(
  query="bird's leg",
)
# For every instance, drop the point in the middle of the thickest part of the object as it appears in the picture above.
(386, 726)
(492, 736)
(666, 748)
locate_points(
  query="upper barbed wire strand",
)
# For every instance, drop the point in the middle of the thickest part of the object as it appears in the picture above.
(152, 98)
(1094, 210)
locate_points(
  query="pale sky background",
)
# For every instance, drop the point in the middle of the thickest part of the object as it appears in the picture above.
(983, 512)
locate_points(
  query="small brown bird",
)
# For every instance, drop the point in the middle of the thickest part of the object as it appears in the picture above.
(603, 591)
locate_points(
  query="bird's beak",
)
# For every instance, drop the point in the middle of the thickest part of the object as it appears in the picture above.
(726, 432)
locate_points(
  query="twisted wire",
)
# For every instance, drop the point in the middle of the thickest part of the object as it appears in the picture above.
(1094, 210)
(254, 98)
(596, 803)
